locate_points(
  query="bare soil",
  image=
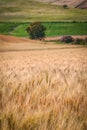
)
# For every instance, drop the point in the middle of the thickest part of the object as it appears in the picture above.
(11, 43)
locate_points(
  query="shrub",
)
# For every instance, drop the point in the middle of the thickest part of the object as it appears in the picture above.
(79, 41)
(67, 39)
(36, 30)
(74, 21)
(86, 40)
(65, 6)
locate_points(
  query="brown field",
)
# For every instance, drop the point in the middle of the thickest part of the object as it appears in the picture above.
(43, 89)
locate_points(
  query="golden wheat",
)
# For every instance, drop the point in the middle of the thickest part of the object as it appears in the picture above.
(43, 90)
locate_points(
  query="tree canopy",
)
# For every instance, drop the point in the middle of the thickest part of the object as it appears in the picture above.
(36, 30)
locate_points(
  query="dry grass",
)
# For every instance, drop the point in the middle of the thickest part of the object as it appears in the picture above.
(43, 90)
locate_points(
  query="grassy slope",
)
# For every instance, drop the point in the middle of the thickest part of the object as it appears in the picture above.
(30, 10)
(53, 29)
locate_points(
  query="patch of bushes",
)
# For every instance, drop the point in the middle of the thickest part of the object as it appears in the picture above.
(86, 40)
(67, 39)
(70, 39)
(80, 41)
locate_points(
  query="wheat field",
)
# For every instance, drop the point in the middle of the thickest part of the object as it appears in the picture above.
(43, 90)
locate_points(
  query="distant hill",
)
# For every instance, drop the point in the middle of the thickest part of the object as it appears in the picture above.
(71, 3)
(34, 10)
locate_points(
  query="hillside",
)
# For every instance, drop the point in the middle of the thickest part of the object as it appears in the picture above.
(83, 5)
(70, 3)
(32, 10)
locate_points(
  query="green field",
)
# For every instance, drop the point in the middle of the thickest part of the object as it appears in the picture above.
(16, 15)
(30, 10)
(53, 29)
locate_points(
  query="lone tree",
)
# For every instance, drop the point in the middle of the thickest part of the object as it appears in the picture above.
(36, 30)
